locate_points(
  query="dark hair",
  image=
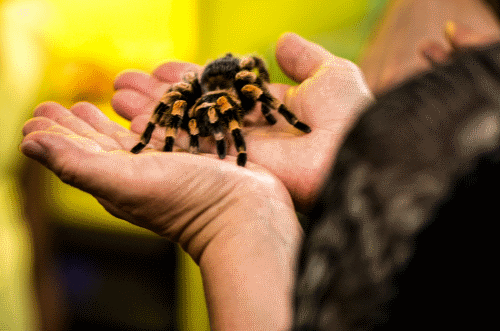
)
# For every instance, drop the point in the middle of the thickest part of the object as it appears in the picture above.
(402, 232)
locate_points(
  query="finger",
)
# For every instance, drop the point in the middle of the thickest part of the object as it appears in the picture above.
(68, 120)
(77, 161)
(130, 104)
(102, 124)
(172, 72)
(138, 93)
(141, 82)
(80, 162)
(62, 116)
(461, 36)
(138, 125)
(300, 59)
(435, 53)
(43, 124)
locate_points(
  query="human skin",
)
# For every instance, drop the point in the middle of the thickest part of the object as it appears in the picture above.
(394, 52)
(458, 36)
(330, 95)
(239, 224)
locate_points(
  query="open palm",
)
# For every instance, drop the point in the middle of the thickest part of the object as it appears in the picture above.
(186, 198)
(331, 93)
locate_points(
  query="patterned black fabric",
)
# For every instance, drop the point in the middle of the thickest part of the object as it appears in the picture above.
(404, 234)
(495, 5)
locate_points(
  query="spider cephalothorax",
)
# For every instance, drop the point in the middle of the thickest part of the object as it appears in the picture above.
(215, 103)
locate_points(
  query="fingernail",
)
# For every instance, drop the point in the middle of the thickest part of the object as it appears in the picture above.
(450, 29)
(33, 150)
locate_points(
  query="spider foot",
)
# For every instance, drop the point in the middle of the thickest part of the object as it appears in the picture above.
(302, 127)
(266, 111)
(290, 117)
(169, 144)
(138, 148)
(221, 148)
(242, 159)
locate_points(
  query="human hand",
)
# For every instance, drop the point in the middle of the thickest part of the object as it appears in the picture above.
(238, 224)
(459, 37)
(186, 198)
(331, 93)
(395, 50)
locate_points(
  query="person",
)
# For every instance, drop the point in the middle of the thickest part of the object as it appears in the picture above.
(238, 224)
(401, 236)
(394, 51)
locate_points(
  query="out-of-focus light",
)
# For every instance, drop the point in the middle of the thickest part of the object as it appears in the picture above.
(89, 42)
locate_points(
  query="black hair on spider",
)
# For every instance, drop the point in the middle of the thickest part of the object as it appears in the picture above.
(216, 103)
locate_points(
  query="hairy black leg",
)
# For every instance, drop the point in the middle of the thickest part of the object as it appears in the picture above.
(263, 95)
(173, 124)
(165, 114)
(228, 111)
(158, 113)
(292, 119)
(194, 132)
(193, 128)
(239, 142)
(242, 79)
(249, 99)
(145, 138)
(217, 131)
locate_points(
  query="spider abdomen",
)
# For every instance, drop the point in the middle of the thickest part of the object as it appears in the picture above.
(220, 74)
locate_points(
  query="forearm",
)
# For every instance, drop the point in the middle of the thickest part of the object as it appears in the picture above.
(248, 273)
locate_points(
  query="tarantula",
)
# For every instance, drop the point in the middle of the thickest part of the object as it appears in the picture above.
(228, 90)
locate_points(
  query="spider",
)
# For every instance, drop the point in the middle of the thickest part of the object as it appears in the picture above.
(229, 88)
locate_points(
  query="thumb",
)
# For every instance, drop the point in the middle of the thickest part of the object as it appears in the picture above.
(461, 36)
(299, 58)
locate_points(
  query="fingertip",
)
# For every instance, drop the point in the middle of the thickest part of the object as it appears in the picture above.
(171, 72)
(299, 58)
(33, 150)
(36, 124)
(130, 103)
(89, 113)
(127, 78)
(82, 106)
(27, 126)
(288, 48)
(286, 37)
(47, 106)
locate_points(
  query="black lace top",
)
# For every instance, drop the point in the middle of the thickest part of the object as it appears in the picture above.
(405, 233)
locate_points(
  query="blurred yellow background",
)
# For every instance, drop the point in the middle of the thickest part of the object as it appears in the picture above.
(70, 50)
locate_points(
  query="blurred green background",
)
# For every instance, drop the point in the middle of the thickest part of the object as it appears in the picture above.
(64, 262)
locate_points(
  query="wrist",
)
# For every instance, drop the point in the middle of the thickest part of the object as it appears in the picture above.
(258, 196)
(248, 269)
